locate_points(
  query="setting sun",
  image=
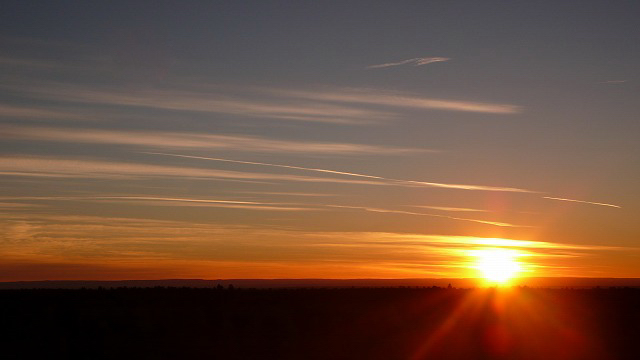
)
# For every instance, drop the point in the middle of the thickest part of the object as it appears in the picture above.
(497, 266)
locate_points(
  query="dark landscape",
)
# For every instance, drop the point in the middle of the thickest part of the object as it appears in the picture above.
(547, 282)
(227, 322)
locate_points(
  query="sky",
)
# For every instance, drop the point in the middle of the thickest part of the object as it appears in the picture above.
(318, 139)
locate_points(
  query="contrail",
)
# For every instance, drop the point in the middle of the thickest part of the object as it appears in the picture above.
(218, 203)
(131, 198)
(413, 182)
(584, 202)
(495, 223)
(182, 200)
(414, 61)
(253, 205)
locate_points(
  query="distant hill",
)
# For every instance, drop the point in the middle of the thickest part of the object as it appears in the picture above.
(327, 283)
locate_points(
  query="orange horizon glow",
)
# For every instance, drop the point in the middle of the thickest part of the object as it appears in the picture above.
(488, 261)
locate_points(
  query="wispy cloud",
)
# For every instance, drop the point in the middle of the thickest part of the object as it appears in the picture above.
(396, 181)
(79, 168)
(12, 111)
(286, 193)
(163, 139)
(388, 238)
(582, 201)
(415, 62)
(208, 101)
(234, 204)
(379, 210)
(46, 238)
(334, 106)
(398, 100)
(446, 208)
(242, 204)
(68, 224)
(613, 82)
(9, 205)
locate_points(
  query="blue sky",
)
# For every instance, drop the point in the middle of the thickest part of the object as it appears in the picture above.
(317, 139)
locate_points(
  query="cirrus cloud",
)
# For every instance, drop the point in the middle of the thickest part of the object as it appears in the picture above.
(415, 62)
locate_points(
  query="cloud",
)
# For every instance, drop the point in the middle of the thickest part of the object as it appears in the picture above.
(393, 181)
(446, 208)
(9, 205)
(42, 166)
(399, 100)
(581, 201)
(10, 111)
(414, 62)
(334, 106)
(234, 204)
(379, 210)
(69, 225)
(286, 193)
(399, 239)
(536, 244)
(613, 82)
(52, 238)
(240, 204)
(207, 101)
(164, 139)
(258, 206)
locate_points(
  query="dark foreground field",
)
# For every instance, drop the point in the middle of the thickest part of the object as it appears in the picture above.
(386, 323)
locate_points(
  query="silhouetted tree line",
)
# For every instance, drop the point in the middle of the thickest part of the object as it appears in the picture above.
(346, 323)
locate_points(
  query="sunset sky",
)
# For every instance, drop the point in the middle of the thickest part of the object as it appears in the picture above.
(318, 139)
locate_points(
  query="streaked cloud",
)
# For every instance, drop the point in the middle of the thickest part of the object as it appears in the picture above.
(396, 181)
(42, 166)
(379, 210)
(399, 100)
(286, 193)
(40, 238)
(537, 244)
(446, 208)
(613, 82)
(11, 205)
(333, 106)
(208, 101)
(241, 204)
(385, 238)
(232, 204)
(415, 62)
(169, 228)
(582, 201)
(12, 111)
(164, 139)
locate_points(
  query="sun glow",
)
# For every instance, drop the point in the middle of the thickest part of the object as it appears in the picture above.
(497, 266)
